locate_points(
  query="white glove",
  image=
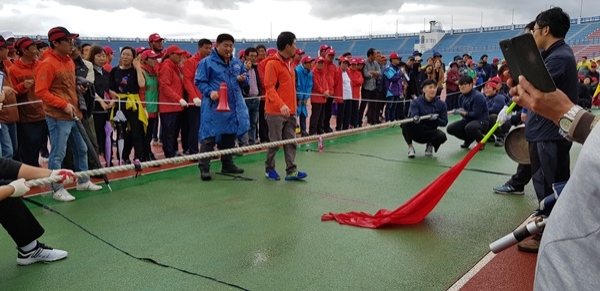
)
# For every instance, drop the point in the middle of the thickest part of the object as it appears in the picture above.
(459, 111)
(502, 116)
(183, 103)
(66, 176)
(20, 188)
(416, 119)
(197, 101)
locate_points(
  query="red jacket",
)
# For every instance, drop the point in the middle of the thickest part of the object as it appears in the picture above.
(451, 79)
(319, 87)
(338, 93)
(280, 71)
(330, 71)
(356, 80)
(170, 87)
(19, 73)
(189, 72)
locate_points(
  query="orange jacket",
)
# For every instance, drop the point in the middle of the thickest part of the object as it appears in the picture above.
(19, 73)
(170, 87)
(55, 85)
(189, 72)
(319, 87)
(280, 85)
(7, 63)
(356, 80)
(9, 114)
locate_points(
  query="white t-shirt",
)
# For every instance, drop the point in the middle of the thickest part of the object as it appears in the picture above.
(346, 86)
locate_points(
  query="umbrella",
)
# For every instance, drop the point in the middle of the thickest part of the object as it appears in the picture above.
(108, 143)
(120, 120)
(90, 147)
(415, 209)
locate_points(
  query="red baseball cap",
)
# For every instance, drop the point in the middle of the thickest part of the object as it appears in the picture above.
(496, 79)
(139, 50)
(24, 43)
(4, 43)
(241, 54)
(319, 59)
(108, 50)
(394, 56)
(59, 32)
(343, 59)
(361, 61)
(148, 54)
(492, 84)
(299, 51)
(155, 37)
(495, 60)
(173, 50)
(324, 47)
(271, 51)
(353, 61)
(331, 52)
(307, 59)
(187, 54)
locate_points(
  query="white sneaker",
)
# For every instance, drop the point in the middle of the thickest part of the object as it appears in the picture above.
(411, 152)
(428, 150)
(63, 195)
(89, 186)
(41, 253)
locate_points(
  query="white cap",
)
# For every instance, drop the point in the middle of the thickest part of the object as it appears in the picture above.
(7, 34)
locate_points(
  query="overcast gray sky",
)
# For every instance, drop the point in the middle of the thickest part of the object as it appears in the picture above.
(263, 18)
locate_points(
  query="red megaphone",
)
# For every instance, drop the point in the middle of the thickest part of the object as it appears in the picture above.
(223, 103)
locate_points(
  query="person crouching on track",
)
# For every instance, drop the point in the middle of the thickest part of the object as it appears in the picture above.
(474, 111)
(426, 131)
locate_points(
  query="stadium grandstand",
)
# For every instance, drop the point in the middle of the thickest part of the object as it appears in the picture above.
(583, 36)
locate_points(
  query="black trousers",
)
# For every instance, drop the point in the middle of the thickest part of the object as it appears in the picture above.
(373, 110)
(341, 115)
(193, 122)
(19, 222)
(152, 122)
(170, 129)
(413, 132)
(32, 137)
(327, 115)
(316, 119)
(550, 163)
(263, 127)
(468, 131)
(208, 145)
(521, 178)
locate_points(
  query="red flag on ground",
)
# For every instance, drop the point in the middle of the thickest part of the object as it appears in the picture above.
(415, 209)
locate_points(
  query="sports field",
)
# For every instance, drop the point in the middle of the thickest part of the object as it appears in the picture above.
(252, 233)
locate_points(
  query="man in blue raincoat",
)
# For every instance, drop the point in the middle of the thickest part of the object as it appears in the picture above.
(221, 128)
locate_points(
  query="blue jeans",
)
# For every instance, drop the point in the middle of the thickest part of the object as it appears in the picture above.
(390, 108)
(8, 140)
(253, 105)
(61, 133)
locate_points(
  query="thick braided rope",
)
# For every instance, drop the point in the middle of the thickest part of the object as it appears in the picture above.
(214, 154)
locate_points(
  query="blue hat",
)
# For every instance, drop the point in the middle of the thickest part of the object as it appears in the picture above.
(437, 54)
(417, 53)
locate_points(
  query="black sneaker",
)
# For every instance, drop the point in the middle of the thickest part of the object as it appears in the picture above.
(41, 253)
(205, 175)
(232, 170)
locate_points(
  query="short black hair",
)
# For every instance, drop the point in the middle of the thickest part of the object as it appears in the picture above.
(250, 50)
(347, 54)
(204, 42)
(224, 37)
(465, 79)
(129, 48)
(261, 46)
(555, 18)
(370, 52)
(284, 39)
(530, 26)
(429, 82)
(83, 45)
(42, 45)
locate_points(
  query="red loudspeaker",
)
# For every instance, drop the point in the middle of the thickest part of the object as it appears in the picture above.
(223, 103)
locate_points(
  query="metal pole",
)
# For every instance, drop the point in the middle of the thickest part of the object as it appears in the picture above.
(581, 9)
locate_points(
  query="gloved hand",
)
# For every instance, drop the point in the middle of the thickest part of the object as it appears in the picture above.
(416, 119)
(20, 188)
(197, 101)
(66, 176)
(183, 103)
(502, 116)
(459, 111)
(434, 116)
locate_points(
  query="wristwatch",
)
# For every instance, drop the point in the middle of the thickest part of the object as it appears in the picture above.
(565, 122)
